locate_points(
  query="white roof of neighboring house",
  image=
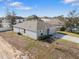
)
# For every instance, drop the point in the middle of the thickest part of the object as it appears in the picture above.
(55, 22)
(45, 19)
(33, 25)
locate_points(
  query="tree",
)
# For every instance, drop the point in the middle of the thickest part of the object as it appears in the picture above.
(73, 19)
(61, 18)
(11, 17)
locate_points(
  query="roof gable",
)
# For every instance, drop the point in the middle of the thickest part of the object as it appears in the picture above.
(33, 25)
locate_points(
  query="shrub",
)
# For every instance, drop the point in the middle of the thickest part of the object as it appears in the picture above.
(19, 33)
(63, 29)
(45, 37)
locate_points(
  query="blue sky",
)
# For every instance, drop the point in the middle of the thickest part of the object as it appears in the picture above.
(39, 7)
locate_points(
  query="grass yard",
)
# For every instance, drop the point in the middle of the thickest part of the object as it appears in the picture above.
(59, 49)
(69, 33)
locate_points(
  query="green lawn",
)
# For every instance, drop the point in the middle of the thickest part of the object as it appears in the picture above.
(69, 33)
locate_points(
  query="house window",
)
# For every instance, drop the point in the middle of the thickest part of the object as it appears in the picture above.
(24, 31)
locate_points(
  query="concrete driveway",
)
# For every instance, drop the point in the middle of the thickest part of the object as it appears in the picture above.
(67, 37)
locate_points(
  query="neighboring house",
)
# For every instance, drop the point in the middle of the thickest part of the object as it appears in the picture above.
(45, 19)
(56, 23)
(1, 19)
(19, 19)
(34, 28)
(6, 23)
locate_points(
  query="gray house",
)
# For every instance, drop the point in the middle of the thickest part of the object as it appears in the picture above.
(34, 28)
(55, 22)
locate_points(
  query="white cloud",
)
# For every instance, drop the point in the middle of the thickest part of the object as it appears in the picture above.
(20, 6)
(24, 8)
(72, 2)
(16, 4)
(69, 1)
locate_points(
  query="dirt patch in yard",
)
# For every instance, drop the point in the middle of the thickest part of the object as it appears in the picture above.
(59, 49)
(14, 39)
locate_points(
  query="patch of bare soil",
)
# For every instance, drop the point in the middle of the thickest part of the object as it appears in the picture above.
(43, 50)
(69, 50)
(14, 39)
(9, 52)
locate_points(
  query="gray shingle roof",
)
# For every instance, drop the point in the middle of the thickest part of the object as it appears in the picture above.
(33, 25)
(55, 22)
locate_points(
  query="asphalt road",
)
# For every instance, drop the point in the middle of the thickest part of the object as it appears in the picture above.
(67, 37)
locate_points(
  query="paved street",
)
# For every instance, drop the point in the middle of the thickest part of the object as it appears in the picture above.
(67, 37)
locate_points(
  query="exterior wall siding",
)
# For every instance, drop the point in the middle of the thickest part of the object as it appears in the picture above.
(26, 33)
(35, 35)
(31, 34)
(52, 30)
(16, 29)
(44, 32)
